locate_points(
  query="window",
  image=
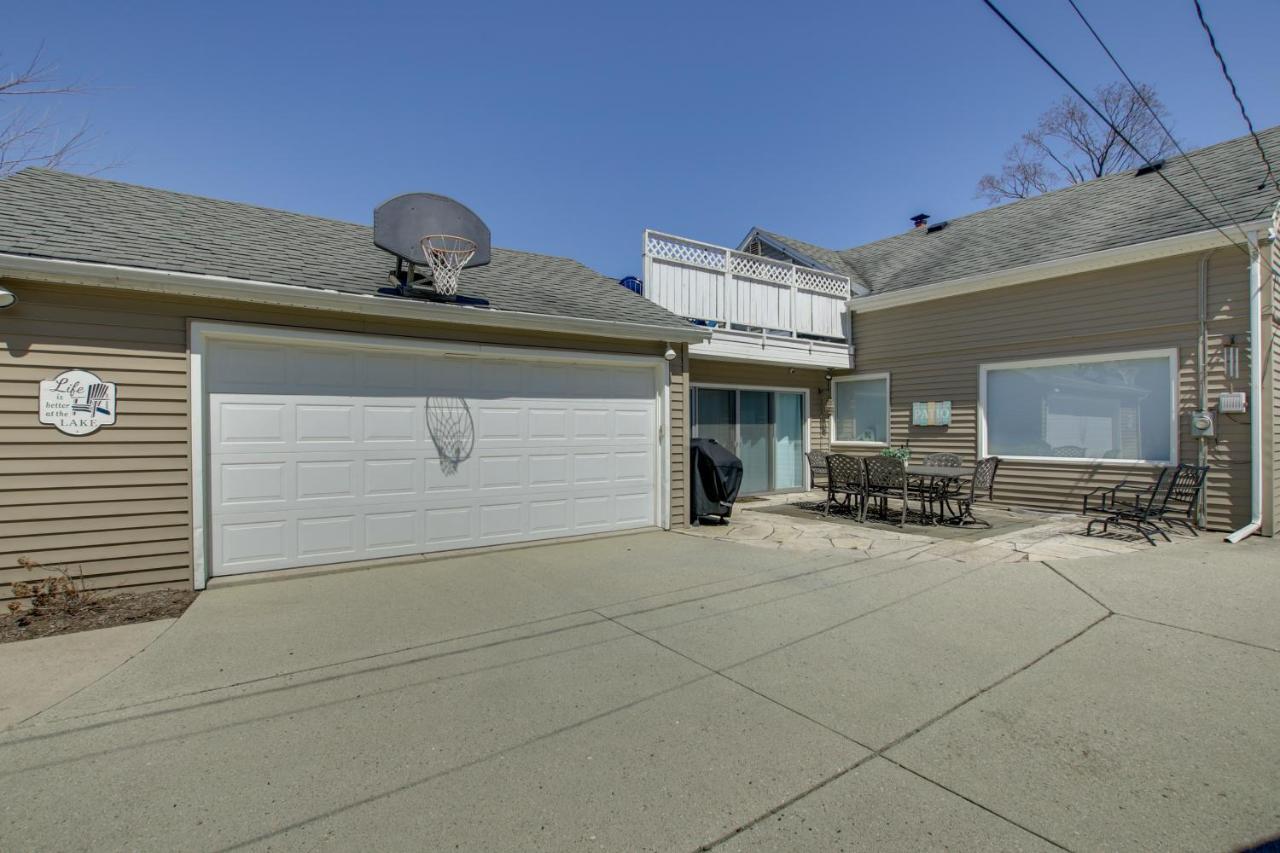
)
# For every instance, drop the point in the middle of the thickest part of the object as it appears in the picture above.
(861, 409)
(1109, 407)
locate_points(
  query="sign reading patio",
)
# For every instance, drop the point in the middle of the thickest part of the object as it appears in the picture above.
(77, 402)
(931, 414)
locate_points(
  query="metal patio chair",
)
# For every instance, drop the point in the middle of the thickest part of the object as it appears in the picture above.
(983, 480)
(1176, 492)
(846, 477)
(1182, 496)
(817, 469)
(950, 459)
(887, 478)
(1140, 514)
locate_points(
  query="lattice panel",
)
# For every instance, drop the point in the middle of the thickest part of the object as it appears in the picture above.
(763, 269)
(680, 251)
(822, 282)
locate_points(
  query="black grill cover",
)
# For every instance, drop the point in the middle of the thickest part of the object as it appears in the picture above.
(717, 476)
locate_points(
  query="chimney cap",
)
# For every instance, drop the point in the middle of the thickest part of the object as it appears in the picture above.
(920, 220)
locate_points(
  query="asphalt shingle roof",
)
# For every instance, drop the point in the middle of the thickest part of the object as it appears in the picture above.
(1106, 213)
(52, 214)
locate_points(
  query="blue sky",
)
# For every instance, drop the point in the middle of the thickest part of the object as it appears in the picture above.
(570, 127)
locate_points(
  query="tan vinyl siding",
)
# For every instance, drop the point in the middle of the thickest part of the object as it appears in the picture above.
(679, 437)
(746, 374)
(116, 504)
(933, 350)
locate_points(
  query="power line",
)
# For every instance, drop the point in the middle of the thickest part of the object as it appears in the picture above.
(1213, 43)
(1167, 132)
(1118, 132)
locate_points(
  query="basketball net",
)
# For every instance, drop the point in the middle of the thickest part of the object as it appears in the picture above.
(447, 255)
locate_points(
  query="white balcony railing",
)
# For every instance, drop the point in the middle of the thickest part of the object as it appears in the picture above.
(738, 292)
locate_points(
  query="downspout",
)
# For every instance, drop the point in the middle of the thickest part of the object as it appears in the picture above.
(1202, 378)
(1255, 392)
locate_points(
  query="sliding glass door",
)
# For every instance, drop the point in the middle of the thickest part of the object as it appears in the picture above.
(765, 429)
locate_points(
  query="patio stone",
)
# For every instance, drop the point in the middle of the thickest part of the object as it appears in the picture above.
(794, 522)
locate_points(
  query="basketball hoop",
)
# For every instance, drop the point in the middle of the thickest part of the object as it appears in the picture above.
(447, 255)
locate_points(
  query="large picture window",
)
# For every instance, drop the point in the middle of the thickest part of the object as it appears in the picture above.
(861, 409)
(1109, 407)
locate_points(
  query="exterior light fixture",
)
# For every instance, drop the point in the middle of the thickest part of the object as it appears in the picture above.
(827, 376)
(7, 297)
(1231, 358)
(670, 354)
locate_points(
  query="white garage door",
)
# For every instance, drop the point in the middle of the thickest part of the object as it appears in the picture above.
(326, 454)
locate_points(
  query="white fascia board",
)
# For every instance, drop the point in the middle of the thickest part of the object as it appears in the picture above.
(1148, 251)
(293, 296)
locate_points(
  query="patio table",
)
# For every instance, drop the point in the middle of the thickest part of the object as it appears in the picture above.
(940, 476)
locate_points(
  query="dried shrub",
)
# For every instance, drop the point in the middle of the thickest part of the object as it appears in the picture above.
(57, 592)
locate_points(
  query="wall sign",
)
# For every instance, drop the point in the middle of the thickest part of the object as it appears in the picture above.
(77, 402)
(931, 414)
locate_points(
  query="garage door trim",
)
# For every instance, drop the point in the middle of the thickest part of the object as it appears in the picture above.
(202, 332)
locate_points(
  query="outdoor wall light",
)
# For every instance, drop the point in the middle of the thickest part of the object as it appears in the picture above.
(1231, 358)
(827, 376)
(7, 297)
(670, 354)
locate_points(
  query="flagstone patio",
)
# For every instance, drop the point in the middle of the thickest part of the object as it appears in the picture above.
(796, 522)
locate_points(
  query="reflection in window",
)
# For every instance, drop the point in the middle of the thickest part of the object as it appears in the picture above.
(1122, 408)
(862, 409)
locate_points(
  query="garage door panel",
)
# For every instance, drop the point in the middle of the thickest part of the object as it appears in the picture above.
(449, 525)
(328, 536)
(394, 531)
(253, 544)
(391, 478)
(256, 423)
(355, 455)
(247, 482)
(444, 475)
(399, 423)
(334, 479)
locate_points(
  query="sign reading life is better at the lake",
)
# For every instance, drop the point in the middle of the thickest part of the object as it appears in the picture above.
(77, 402)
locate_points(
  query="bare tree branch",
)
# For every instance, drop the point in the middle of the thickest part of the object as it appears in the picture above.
(30, 132)
(1069, 144)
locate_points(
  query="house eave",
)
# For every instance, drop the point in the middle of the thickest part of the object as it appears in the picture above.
(1092, 261)
(292, 296)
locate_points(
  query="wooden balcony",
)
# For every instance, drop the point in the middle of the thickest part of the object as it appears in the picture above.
(758, 309)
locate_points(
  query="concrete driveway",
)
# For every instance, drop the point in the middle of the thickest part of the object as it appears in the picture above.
(668, 692)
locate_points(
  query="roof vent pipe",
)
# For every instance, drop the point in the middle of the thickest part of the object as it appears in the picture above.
(920, 220)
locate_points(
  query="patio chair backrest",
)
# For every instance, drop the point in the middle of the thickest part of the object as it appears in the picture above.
(984, 477)
(817, 462)
(845, 471)
(1184, 488)
(950, 459)
(886, 472)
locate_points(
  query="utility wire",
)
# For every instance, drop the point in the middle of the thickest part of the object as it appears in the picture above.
(1213, 43)
(1120, 133)
(1137, 90)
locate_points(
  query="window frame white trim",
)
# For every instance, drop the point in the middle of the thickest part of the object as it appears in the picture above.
(888, 409)
(1170, 353)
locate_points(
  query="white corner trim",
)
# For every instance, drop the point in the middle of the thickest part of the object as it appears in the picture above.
(201, 332)
(292, 296)
(1150, 250)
